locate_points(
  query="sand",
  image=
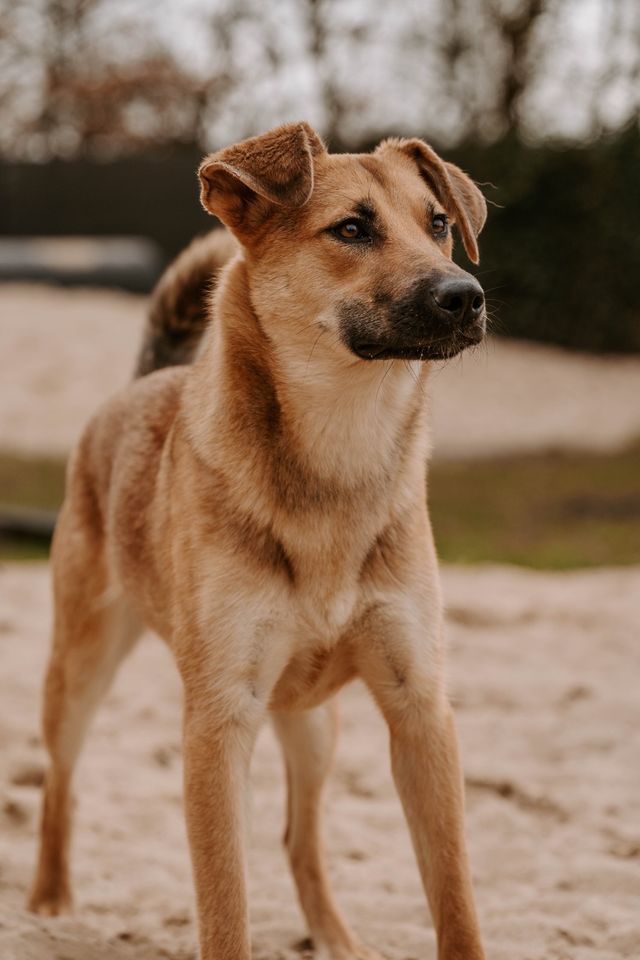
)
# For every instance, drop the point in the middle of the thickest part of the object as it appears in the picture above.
(544, 673)
(65, 351)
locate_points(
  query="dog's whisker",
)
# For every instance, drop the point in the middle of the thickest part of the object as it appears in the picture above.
(315, 343)
(382, 379)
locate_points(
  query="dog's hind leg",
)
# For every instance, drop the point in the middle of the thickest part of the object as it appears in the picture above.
(308, 741)
(92, 633)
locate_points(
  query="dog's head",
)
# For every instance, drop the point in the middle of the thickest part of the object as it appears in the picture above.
(355, 245)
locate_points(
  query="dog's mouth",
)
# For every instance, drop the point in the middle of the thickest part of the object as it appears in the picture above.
(441, 348)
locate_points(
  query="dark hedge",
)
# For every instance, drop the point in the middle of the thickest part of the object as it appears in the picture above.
(561, 254)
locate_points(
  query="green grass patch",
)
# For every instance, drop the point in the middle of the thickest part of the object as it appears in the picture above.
(555, 511)
(550, 511)
(29, 481)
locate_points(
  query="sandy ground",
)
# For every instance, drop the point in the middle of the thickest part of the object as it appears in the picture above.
(64, 351)
(543, 669)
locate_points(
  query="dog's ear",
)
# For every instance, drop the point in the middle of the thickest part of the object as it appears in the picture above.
(457, 193)
(243, 183)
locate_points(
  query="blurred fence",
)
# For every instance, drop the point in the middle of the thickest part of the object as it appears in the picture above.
(154, 195)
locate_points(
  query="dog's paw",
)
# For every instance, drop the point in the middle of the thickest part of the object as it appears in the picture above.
(48, 904)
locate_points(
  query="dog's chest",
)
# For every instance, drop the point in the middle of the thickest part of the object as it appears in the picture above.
(327, 577)
(322, 609)
(325, 608)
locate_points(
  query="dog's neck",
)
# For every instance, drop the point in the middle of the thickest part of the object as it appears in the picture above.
(348, 424)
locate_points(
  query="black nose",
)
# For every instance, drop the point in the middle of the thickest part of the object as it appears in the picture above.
(462, 299)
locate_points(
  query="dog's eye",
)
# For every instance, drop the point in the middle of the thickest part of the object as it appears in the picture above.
(440, 225)
(349, 230)
(352, 231)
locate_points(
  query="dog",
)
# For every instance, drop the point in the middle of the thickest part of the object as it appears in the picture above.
(263, 509)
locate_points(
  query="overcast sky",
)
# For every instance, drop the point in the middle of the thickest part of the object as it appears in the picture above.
(391, 72)
(384, 57)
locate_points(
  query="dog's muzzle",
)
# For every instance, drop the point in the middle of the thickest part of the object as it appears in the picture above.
(437, 319)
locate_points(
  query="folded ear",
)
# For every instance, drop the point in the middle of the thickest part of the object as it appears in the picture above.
(457, 193)
(243, 183)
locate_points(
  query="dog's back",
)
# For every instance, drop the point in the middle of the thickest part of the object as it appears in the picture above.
(126, 437)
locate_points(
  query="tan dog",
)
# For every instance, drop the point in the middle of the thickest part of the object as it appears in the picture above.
(264, 511)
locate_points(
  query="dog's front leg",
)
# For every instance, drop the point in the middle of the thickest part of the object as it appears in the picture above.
(217, 750)
(401, 661)
(228, 679)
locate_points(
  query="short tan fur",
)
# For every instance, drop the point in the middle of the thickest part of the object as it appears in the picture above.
(264, 511)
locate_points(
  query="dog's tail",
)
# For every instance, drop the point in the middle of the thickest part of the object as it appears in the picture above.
(179, 308)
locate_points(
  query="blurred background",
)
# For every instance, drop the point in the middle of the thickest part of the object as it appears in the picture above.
(106, 107)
